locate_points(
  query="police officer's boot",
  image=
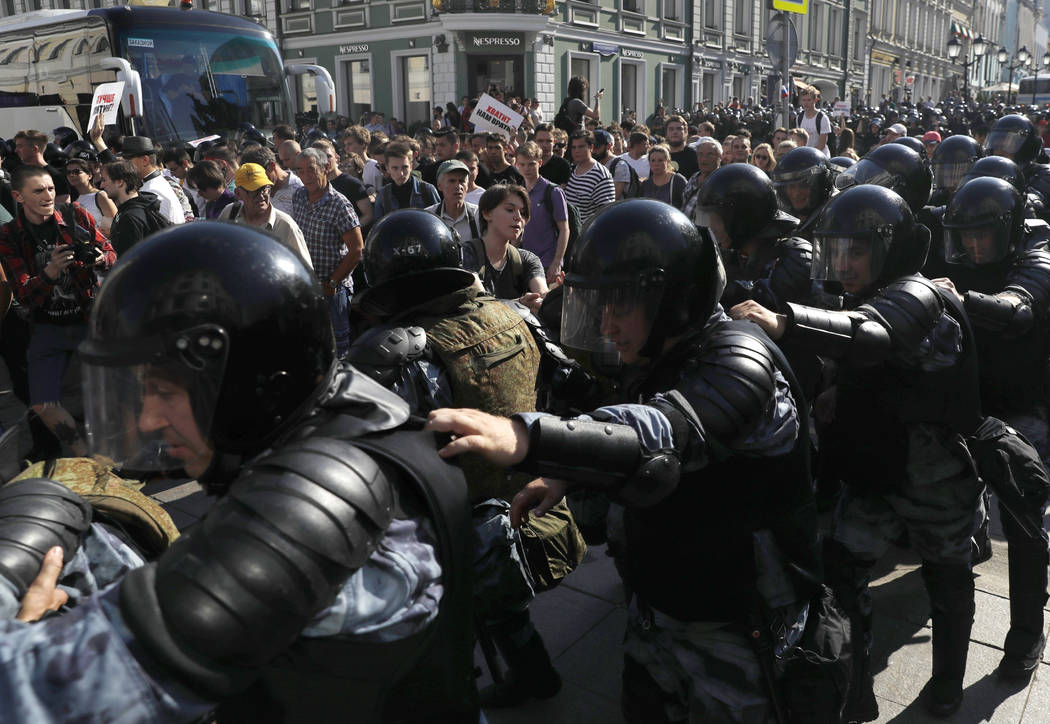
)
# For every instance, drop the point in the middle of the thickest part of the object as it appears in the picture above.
(848, 577)
(950, 588)
(1028, 561)
(530, 673)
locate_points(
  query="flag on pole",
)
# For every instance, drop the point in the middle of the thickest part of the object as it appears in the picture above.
(784, 91)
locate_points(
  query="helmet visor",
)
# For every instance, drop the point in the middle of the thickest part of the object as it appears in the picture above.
(852, 261)
(976, 245)
(610, 319)
(155, 414)
(710, 218)
(799, 195)
(949, 175)
(1004, 143)
(864, 172)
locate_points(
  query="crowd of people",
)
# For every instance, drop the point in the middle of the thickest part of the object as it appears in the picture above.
(612, 327)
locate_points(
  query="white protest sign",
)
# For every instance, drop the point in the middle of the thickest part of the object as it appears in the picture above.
(842, 108)
(106, 101)
(198, 141)
(492, 115)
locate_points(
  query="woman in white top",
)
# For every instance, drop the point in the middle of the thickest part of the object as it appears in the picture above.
(95, 202)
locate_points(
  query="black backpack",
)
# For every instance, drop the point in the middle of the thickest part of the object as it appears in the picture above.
(562, 119)
(634, 186)
(573, 217)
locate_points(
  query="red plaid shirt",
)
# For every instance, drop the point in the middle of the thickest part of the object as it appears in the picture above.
(30, 286)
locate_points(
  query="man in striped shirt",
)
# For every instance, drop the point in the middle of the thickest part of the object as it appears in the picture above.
(590, 186)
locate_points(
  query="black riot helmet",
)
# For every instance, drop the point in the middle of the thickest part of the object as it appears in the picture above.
(952, 159)
(1014, 137)
(742, 198)
(913, 143)
(207, 341)
(411, 257)
(984, 222)
(997, 167)
(644, 258)
(802, 180)
(841, 162)
(867, 237)
(64, 135)
(894, 167)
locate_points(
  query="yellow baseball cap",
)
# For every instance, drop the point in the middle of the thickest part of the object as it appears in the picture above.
(251, 176)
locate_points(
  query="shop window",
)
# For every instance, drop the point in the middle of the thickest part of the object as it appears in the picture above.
(708, 90)
(415, 85)
(629, 95)
(670, 87)
(580, 67)
(358, 87)
(738, 87)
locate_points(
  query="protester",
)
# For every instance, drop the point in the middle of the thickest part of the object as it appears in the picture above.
(95, 202)
(763, 158)
(333, 236)
(138, 211)
(210, 183)
(553, 167)
(681, 154)
(29, 147)
(350, 187)
(547, 233)
(638, 154)
(405, 190)
(499, 170)
(285, 183)
(590, 186)
(254, 207)
(663, 183)
(458, 214)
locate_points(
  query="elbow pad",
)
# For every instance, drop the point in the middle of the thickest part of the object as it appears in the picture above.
(1008, 314)
(381, 351)
(603, 455)
(839, 335)
(238, 589)
(908, 308)
(35, 516)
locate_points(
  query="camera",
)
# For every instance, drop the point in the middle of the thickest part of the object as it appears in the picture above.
(84, 252)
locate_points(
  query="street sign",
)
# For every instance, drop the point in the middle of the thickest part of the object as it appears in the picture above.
(791, 6)
(775, 41)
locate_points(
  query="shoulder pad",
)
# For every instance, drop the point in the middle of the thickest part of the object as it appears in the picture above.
(730, 384)
(540, 334)
(1032, 274)
(381, 351)
(909, 308)
(36, 515)
(237, 589)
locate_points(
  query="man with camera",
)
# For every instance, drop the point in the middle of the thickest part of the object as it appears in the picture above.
(50, 257)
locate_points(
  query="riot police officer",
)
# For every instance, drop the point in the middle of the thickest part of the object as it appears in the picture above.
(738, 205)
(1016, 138)
(1005, 288)
(211, 348)
(951, 161)
(803, 181)
(906, 392)
(896, 167)
(441, 341)
(645, 280)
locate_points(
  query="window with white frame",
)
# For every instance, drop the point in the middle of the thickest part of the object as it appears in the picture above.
(672, 10)
(835, 32)
(712, 10)
(358, 87)
(742, 17)
(631, 93)
(633, 6)
(671, 86)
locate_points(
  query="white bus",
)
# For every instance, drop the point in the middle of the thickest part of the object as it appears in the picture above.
(1041, 85)
(187, 73)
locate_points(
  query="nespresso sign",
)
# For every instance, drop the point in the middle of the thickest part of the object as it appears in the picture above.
(492, 42)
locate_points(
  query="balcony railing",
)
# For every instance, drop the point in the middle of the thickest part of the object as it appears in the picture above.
(532, 7)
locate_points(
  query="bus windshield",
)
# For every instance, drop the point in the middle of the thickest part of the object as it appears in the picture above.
(204, 80)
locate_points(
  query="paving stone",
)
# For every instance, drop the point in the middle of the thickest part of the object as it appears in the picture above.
(597, 576)
(595, 662)
(563, 616)
(574, 705)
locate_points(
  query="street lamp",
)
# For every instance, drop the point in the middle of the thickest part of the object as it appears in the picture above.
(978, 46)
(1023, 56)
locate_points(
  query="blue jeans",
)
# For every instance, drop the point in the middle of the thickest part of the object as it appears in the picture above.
(50, 348)
(339, 309)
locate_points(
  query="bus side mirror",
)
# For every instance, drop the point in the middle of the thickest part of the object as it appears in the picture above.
(323, 85)
(131, 101)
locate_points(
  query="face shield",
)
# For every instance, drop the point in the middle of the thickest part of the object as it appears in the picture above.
(799, 193)
(853, 262)
(950, 175)
(710, 218)
(976, 245)
(611, 317)
(149, 404)
(864, 172)
(1004, 143)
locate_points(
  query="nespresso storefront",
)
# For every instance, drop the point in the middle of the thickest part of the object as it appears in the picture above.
(495, 59)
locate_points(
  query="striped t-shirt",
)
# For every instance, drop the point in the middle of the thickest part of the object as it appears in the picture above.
(590, 191)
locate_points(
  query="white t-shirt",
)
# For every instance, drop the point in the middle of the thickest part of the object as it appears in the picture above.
(281, 199)
(372, 177)
(810, 125)
(641, 166)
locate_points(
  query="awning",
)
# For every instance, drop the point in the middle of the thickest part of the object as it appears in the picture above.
(961, 30)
